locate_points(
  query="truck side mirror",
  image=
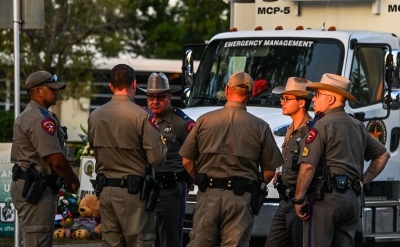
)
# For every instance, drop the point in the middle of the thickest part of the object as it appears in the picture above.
(392, 94)
(188, 68)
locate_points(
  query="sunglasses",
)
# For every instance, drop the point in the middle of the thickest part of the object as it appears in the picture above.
(52, 79)
(158, 97)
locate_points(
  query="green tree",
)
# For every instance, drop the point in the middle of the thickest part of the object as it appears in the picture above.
(162, 30)
(75, 33)
(6, 124)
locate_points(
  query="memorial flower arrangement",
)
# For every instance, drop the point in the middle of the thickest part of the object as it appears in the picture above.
(85, 149)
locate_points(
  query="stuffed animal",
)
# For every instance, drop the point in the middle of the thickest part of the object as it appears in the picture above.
(88, 223)
(67, 210)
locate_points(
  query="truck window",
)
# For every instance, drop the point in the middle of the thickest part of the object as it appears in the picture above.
(367, 75)
(270, 62)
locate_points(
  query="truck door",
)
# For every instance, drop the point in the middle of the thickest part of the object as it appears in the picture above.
(375, 78)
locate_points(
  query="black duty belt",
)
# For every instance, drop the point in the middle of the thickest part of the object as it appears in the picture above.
(169, 179)
(116, 182)
(227, 184)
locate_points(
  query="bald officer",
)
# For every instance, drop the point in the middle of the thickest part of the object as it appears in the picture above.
(38, 146)
(224, 152)
(332, 158)
(125, 139)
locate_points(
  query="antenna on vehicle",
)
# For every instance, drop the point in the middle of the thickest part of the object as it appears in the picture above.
(326, 14)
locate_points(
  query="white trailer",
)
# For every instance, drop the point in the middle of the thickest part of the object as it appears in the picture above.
(273, 40)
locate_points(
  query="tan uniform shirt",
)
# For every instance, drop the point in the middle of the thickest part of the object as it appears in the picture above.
(173, 128)
(232, 142)
(346, 141)
(290, 148)
(124, 138)
(36, 134)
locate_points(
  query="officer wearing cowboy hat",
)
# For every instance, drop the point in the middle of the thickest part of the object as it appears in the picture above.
(336, 145)
(175, 126)
(286, 227)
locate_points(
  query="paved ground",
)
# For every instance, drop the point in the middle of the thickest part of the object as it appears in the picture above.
(79, 245)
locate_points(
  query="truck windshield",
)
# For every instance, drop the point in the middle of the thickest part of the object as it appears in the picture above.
(270, 62)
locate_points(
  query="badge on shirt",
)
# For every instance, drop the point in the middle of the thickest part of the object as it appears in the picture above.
(162, 139)
(312, 133)
(49, 126)
(168, 129)
(305, 152)
(189, 125)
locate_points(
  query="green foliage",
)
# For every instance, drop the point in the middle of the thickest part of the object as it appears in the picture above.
(77, 33)
(6, 125)
(161, 30)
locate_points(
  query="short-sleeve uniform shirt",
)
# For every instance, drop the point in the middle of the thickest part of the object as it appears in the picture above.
(125, 138)
(346, 143)
(36, 134)
(174, 129)
(290, 148)
(232, 142)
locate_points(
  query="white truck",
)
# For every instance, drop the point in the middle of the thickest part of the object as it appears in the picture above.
(273, 40)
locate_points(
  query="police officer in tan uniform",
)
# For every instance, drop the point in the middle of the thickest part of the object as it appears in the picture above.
(285, 229)
(332, 158)
(125, 139)
(224, 152)
(39, 156)
(175, 126)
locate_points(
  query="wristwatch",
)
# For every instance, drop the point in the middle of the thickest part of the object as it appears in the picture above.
(297, 201)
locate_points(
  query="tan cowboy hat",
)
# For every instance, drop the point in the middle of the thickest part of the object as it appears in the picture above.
(295, 86)
(158, 83)
(336, 84)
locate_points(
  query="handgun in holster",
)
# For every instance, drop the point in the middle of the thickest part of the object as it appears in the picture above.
(258, 194)
(144, 194)
(39, 182)
(154, 194)
(100, 183)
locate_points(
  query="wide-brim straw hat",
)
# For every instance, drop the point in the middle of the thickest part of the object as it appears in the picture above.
(336, 84)
(295, 86)
(158, 83)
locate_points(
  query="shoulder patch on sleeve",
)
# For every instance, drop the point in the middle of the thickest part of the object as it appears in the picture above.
(189, 122)
(153, 122)
(312, 133)
(49, 126)
(189, 125)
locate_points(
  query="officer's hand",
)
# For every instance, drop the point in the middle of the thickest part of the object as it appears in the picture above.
(277, 173)
(71, 187)
(301, 212)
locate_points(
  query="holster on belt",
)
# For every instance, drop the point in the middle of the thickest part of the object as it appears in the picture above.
(37, 186)
(286, 193)
(100, 183)
(258, 194)
(201, 181)
(154, 194)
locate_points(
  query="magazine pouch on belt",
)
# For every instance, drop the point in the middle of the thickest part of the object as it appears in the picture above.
(341, 183)
(239, 185)
(134, 183)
